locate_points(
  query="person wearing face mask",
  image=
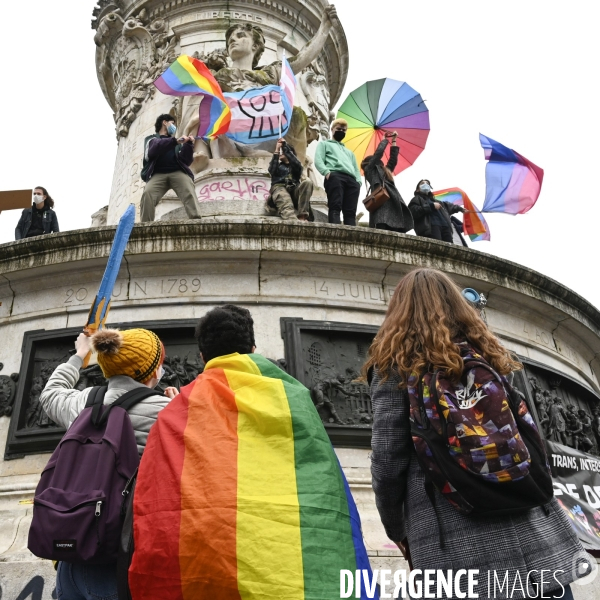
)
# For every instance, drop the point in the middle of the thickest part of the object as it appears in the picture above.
(166, 167)
(39, 219)
(130, 360)
(394, 214)
(342, 176)
(432, 217)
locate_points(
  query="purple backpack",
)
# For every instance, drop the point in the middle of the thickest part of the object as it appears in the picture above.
(476, 441)
(78, 504)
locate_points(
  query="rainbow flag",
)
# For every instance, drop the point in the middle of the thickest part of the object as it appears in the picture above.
(513, 183)
(240, 495)
(474, 224)
(189, 76)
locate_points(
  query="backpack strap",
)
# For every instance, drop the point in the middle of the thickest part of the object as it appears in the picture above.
(126, 401)
(96, 395)
(95, 399)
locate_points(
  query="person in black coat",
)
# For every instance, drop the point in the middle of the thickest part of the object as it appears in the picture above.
(394, 214)
(40, 218)
(432, 217)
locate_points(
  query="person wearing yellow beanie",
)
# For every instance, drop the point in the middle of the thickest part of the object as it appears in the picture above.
(129, 359)
(136, 353)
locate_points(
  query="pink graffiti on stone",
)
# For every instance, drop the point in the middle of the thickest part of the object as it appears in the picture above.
(238, 189)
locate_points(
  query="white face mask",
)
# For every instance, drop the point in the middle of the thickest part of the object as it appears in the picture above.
(161, 372)
(38, 198)
(425, 188)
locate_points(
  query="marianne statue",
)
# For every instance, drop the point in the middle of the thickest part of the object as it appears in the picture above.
(245, 44)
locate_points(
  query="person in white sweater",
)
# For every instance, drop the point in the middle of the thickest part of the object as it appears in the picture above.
(128, 359)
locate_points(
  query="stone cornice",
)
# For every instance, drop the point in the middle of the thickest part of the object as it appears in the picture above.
(256, 235)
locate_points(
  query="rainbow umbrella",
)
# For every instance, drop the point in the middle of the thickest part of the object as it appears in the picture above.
(382, 106)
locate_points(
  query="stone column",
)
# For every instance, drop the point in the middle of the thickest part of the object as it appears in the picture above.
(137, 40)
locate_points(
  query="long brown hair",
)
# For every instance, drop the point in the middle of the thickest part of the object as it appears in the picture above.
(427, 313)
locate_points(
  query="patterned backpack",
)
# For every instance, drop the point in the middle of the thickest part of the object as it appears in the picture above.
(476, 441)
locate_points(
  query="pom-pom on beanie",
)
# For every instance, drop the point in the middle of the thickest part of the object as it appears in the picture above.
(136, 353)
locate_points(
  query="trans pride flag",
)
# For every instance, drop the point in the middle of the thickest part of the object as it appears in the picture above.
(474, 224)
(288, 82)
(240, 495)
(263, 114)
(189, 76)
(513, 183)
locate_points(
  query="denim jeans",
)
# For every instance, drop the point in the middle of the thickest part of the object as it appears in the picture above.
(86, 582)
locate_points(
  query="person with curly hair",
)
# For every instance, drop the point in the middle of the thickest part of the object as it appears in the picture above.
(426, 323)
(225, 330)
(40, 218)
(235, 449)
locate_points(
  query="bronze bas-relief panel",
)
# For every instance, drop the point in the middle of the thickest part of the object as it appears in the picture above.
(31, 431)
(328, 356)
(325, 356)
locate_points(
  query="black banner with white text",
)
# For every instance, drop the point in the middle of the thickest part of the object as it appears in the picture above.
(576, 478)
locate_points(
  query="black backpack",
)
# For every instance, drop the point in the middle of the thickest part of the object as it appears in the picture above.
(146, 163)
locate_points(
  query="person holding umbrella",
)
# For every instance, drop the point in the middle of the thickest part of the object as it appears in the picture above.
(394, 214)
(432, 217)
(342, 176)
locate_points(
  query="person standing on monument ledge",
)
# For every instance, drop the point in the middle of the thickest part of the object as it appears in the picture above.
(288, 193)
(167, 163)
(394, 214)
(431, 216)
(39, 219)
(342, 176)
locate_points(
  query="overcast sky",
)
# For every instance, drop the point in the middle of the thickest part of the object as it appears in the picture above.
(521, 71)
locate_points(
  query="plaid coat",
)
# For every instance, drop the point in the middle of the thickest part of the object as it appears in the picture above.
(523, 542)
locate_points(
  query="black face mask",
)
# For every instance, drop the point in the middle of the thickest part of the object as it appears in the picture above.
(338, 136)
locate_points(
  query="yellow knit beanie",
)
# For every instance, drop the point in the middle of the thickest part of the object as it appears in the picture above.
(136, 353)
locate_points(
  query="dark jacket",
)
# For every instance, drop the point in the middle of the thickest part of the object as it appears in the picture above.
(520, 542)
(156, 146)
(282, 173)
(394, 213)
(420, 207)
(49, 223)
(458, 231)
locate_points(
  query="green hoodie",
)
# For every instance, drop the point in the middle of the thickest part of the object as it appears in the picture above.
(334, 156)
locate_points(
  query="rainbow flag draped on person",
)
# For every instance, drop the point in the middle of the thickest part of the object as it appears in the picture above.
(240, 495)
(189, 76)
(513, 183)
(474, 224)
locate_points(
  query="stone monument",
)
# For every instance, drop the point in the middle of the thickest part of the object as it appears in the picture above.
(242, 43)
(317, 292)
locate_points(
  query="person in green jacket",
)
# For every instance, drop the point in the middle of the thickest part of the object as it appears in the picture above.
(342, 176)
